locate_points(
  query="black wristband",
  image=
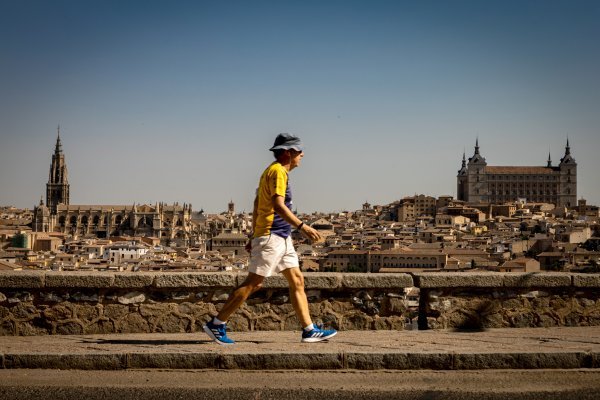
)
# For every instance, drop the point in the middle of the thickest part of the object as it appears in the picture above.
(300, 226)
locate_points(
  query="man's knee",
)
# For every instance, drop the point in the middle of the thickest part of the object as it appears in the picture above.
(296, 279)
(257, 287)
(253, 282)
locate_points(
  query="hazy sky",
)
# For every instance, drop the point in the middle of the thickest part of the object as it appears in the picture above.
(180, 100)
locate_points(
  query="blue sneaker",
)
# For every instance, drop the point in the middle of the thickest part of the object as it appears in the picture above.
(318, 334)
(218, 333)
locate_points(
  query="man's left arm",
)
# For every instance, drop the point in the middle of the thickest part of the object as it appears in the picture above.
(254, 216)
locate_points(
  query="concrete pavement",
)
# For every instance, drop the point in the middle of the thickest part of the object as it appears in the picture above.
(520, 348)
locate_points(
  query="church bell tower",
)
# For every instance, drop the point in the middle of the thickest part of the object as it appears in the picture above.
(57, 188)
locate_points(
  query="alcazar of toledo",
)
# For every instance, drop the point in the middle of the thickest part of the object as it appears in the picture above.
(167, 222)
(478, 182)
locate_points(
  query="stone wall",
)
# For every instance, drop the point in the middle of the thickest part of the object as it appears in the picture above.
(473, 301)
(40, 303)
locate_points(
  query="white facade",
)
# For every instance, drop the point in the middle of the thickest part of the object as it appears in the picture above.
(118, 253)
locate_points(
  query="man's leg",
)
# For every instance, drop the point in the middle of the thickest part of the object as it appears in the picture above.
(310, 333)
(252, 283)
(297, 295)
(216, 328)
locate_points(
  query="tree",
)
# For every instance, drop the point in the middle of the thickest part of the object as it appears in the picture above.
(593, 268)
(555, 266)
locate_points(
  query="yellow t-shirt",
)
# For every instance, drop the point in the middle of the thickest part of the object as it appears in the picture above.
(273, 181)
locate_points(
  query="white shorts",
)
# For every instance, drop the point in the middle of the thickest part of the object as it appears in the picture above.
(272, 254)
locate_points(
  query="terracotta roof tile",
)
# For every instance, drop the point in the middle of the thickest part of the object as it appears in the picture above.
(519, 170)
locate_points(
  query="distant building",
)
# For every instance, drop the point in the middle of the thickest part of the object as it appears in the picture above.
(477, 182)
(123, 252)
(167, 222)
(57, 188)
(416, 206)
(233, 243)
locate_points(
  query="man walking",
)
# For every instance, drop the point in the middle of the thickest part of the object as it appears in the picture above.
(271, 248)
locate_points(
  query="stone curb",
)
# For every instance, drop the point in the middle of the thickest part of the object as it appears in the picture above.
(195, 280)
(433, 280)
(586, 280)
(537, 280)
(79, 280)
(312, 280)
(89, 361)
(133, 280)
(380, 280)
(315, 280)
(309, 361)
(21, 280)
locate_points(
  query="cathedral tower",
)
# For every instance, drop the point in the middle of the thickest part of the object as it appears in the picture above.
(57, 188)
(568, 179)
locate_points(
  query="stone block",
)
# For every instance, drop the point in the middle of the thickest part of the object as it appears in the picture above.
(275, 282)
(132, 323)
(70, 328)
(322, 280)
(174, 360)
(397, 361)
(132, 298)
(198, 279)
(586, 280)
(8, 328)
(390, 323)
(88, 312)
(59, 312)
(100, 327)
(268, 323)
(272, 282)
(131, 280)
(21, 279)
(30, 329)
(79, 279)
(24, 312)
(115, 311)
(87, 361)
(379, 281)
(537, 280)
(274, 361)
(156, 310)
(356, 321)
(430, 280)
(171, 323)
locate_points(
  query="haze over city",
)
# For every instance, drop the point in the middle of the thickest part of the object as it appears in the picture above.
(163, 101)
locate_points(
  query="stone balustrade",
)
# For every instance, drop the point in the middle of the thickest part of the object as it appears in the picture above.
(41, 303)
(507, 300)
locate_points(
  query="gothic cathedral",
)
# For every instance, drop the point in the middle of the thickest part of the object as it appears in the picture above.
(169, 223)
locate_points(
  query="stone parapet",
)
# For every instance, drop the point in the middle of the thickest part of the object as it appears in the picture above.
(474, 301)
(46, 302)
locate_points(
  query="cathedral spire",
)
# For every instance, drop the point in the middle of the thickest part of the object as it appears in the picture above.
(568, 148)
(549, 159)
(57, 188)
(58, 148)
(464, 160)
(477, 146)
